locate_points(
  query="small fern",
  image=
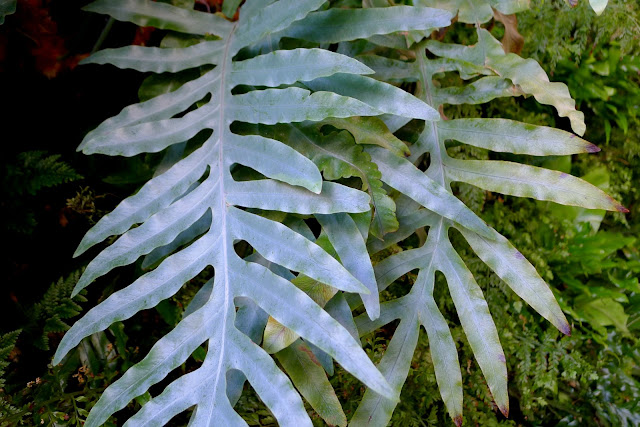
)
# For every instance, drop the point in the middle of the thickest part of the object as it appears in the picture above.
(7, 344)
(26, 175)
(55, 307)
(279, 125)
(34, 170)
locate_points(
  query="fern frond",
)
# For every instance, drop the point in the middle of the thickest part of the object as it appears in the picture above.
(431, 190)
(526, 73)
(34, 170)
(278, 126)
(56, 306)
(7, 344)
(201, 186)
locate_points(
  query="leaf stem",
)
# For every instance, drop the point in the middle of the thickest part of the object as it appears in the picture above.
(103, 35)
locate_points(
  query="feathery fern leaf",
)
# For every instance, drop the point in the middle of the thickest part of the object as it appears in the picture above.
(7, 344)
(34, 170)
(55, 307)
(200, 185)
(27, 174)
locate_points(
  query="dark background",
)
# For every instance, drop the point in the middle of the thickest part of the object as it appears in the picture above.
(50, 103)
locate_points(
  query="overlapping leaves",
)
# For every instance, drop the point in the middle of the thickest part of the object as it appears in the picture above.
(307, 114)
(418, 307)
(199, 191)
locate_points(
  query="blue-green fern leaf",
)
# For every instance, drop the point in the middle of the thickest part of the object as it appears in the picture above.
(199, 189)
(427, 201)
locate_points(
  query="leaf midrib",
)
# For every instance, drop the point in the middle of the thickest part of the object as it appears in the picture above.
(225, 65)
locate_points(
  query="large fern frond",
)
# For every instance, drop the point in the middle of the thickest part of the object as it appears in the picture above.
(431, 190)
(201, 186)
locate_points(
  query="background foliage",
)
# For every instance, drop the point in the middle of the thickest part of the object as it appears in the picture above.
(592, 260)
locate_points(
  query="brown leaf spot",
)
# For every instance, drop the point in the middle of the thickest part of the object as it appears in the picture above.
(309, 353)
(442, 115)
(512, 42)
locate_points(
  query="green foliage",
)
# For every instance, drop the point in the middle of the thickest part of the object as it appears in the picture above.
(7, 345)
(24, 177)
(554, 31)
(55, 307)
(62, 394)
(284, 136)
(608, 84)
(34, 170)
